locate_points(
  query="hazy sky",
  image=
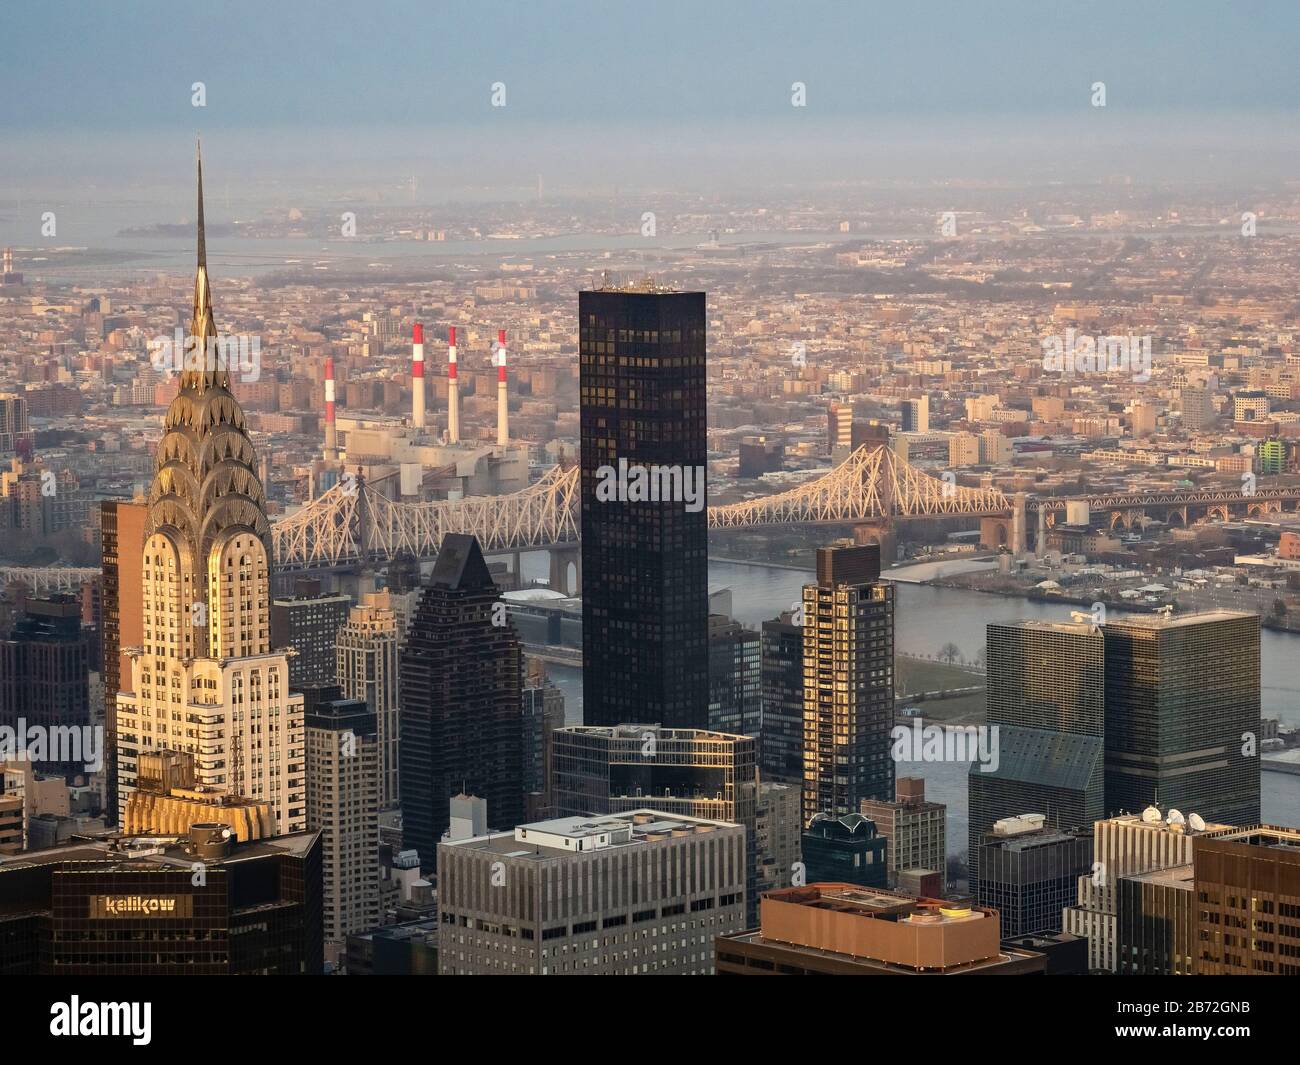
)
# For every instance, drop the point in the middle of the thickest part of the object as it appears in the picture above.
(129, 65)
(612, 91)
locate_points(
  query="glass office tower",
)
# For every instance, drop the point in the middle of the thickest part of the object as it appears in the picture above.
(644, 560)
(1182, 714)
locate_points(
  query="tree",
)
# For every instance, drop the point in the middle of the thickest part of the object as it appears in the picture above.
(949, 652)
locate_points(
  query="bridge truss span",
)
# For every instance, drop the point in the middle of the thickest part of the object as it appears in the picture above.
(872, 484)
(354, 521)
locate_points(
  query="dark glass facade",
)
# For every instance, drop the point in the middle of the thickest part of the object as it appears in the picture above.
(687, 772)
(644, 563)
(91, 910)
(44, 674)
(781, 739)
(1155, 928)
(1046, 675)
(309, 622)
(1046, 701)
(1182, 715)
(735, 678)
(1030, 879)
(461, 694)
(845, 850)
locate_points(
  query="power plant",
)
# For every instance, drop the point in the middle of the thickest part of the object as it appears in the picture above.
(419, 462)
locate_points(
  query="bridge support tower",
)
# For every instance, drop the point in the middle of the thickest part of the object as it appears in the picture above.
(878, 532)
(561, 557)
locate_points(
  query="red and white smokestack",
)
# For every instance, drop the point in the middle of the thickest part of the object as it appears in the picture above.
(453, 391)
(417, 377)
(503, 414)
(331, 437)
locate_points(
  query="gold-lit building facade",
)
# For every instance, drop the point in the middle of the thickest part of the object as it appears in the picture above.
(205, 679)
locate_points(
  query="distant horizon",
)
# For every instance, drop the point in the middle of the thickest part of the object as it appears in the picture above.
(676, 95)
(575, 158)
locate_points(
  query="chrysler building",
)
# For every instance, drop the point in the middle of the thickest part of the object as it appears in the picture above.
(206, 680)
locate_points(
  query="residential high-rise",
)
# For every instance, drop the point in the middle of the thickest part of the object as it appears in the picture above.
(44, 677)
(461, 690)
(1182, 714)
(121, 527)
(309, 622)
(781, 737)
(916, 830)
(15, 430)
(1247, 884)
(735, 677)
(366, 659)
(343, 806)
(1045, 698)
(644, 507)
(777, 837)
(206, 679)
(1029, 872)
(839, 430)
(692, 772)
(916, 415)
(1198, 407)
(848, 671)
(542, 711)
(1270, 456)
(577, 896)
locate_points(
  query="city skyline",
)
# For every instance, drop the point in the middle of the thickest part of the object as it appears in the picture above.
(606, 489)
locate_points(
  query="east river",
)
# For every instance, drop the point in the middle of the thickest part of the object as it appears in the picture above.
(927, 618)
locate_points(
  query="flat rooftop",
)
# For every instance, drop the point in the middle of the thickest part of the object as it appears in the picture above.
(629, 731)
(1074, 628)
(1174, 621)
(1177, 876)
(880, 904)
(563, 836)
(1030, 840)
(1272, 836)
(138, 852)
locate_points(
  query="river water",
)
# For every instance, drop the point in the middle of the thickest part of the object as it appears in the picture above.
(926, 619)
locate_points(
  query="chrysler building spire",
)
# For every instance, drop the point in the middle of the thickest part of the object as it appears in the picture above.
(203, 367)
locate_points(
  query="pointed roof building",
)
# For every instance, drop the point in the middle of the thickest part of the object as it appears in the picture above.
(460, 565)
(205, 680)
(205, 486)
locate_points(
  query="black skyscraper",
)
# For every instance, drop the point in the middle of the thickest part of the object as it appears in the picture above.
(44, 674)
(644, 560)
(1182, 714)
(461, 682)
(782, 672)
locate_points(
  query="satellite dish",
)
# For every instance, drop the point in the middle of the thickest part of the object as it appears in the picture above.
(1175, 818)
(1197, 822)
(1151, 815)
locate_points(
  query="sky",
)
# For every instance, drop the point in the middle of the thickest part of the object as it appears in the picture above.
(612, 91)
